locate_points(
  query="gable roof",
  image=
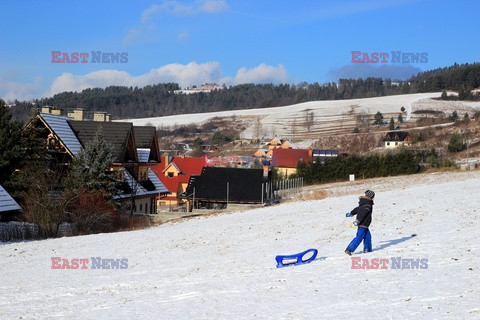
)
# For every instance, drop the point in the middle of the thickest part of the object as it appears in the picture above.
(187, 166)
(288, 145)
(60, 127)
(275, 142)
(396, 136)
(118, 134)
(146, 138)
(289, 158)
(244, 185)
(7, 203)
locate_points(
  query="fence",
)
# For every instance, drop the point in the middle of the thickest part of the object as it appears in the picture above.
(284, 188)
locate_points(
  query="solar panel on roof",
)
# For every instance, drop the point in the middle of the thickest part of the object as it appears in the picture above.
(62, 129)
(7, 203)
(143, 154)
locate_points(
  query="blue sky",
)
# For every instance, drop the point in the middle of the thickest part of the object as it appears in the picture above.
(192, 42)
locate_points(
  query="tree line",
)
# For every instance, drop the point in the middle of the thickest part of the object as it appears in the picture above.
(165, 99)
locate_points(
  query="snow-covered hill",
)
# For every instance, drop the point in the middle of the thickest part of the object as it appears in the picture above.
(326, 116)
(223, 267)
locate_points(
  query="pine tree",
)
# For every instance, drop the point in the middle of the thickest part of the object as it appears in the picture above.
(392, 124)
(456, 142)
(378, 118)
(11, 151)
(91, 168)
(400, 118)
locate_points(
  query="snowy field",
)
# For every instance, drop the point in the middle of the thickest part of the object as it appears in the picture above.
(328, 116)
(223, 267)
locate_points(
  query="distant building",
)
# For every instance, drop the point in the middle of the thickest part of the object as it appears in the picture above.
(321, 156)
(286, 160)
(175, 174)
(395, 139)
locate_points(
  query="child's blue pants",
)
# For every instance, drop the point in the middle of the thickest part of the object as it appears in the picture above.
(362, 234)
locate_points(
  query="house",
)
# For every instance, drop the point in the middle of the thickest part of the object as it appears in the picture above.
(216, 187)
(260, 153)
(274, 143)
(395, 139)
(64, 138)
(288, 145)
(8, 206)
(175, 174)
(286, 160)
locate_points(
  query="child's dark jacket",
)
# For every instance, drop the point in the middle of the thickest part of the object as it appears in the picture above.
(364, 212)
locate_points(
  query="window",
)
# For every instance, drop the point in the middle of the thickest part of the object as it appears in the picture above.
(170, 174)
(140, 208)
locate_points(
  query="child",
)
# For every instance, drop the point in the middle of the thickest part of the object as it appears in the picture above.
(364, 218)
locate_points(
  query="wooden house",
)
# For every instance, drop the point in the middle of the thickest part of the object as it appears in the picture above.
(395, 139)
(64, 138)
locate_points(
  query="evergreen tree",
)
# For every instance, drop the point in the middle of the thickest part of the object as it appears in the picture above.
(11, 151)
(378, 118)
(453, 117)
(400, 118)
(392, 124)
(91, 168)
(456, 142)
(444, 95)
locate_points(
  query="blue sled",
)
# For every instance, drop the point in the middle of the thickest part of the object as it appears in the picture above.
(295, 259)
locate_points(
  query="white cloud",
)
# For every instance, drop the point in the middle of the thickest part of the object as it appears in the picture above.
(185, 75)
(183, 36)
(11, 90)
(213, 6)
(147, 20)
(262, 74)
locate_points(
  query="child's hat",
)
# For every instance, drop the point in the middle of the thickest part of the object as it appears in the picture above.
(370, 194)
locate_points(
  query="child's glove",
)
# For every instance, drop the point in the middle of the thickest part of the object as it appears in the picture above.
(348, 214)
(355, 223)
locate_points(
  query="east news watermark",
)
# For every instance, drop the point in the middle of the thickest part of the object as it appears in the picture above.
(389, 57)
(395, 263)
(89, 57)
(89, 263)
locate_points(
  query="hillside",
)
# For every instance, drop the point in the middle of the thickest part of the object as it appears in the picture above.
(223, 267)
(329, 124)
(165, 99)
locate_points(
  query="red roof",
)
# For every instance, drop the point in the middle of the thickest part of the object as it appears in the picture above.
(187, 166)
(289, 158)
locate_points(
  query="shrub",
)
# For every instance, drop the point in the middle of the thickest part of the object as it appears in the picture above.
(456, 142)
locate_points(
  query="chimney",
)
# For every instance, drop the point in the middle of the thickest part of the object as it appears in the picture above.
(78, 114)
(46, 109)
(100, 116)
(167, 158)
